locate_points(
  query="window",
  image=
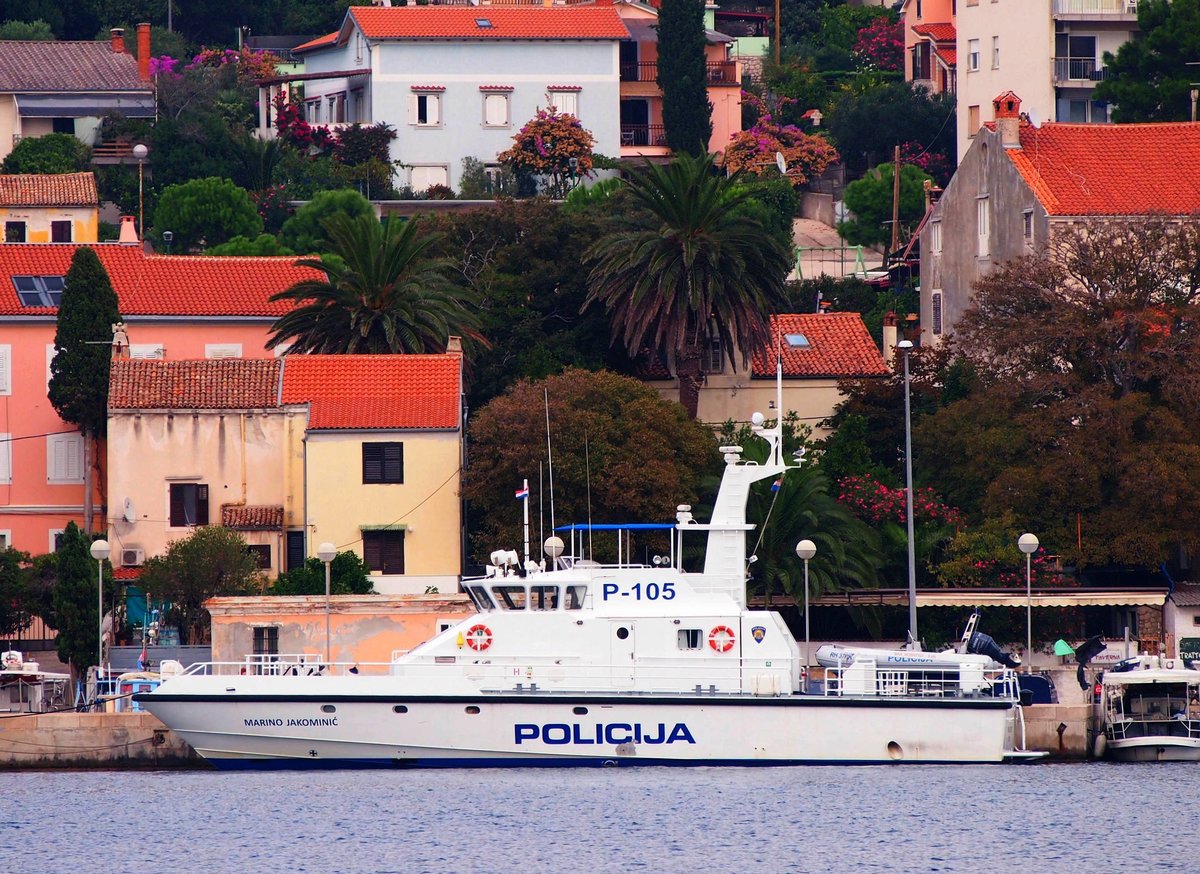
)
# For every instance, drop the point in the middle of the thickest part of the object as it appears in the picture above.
(714, 359)
(262, 555)
(266, 641)
(797, 341)
(60, 232)
(337, 107)
(14, 232)
(295, 550)
(5, 539)
(222, 350)
(1027, 227)
(995, 53)
(5, 369)
(972, 54)
(6, 459)
(691, 638)
(565, 101)
(38, 291)
(64, 458)
(383, 462)
(425, 109)
(423, 177)
(384, 551)
(918, 8)
(146, 350)
(984, 216)
(972, 120)
(495, 110)
(189, 504)
(936, 306)
(56, 536)
(935, 237)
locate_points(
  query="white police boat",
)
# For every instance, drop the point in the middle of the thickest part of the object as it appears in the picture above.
(582, 663)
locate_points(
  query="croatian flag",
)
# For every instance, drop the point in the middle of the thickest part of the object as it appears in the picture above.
(143, 660)
(775, 486)
(522, 493)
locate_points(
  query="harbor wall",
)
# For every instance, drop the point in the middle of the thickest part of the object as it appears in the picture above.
(1042, 729)
(91, 740)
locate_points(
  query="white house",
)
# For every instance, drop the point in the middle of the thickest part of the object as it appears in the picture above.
(459, 81)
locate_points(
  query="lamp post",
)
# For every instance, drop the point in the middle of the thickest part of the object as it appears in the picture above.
(100, 551)
(1028, 544)
(140, 152)
(327, 552)
(806, 549)
(906, 347)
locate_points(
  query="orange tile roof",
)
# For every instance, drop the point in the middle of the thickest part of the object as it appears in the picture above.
(838, 346)
(949, 55)
(160, 285)
(210, 384)
(516, 22)
(243, 518)
(385, 392)
(326, 40)
(1112, 169)
(941, 31)
(48, 189)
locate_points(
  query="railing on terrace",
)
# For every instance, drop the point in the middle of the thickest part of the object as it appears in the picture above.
(643, 135)
(1095, 7)
(1078, 70)
(113, 149)
(719, 72)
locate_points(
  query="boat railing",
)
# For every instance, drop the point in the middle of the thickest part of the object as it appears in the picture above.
(1163, 716)
(285, 665)
(864, 677)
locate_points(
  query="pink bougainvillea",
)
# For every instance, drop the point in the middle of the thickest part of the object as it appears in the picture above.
(295, 131)
(555, 145)
(937, 165)
(881, 44)
(874, 502)
(753, 151)
(251, 65)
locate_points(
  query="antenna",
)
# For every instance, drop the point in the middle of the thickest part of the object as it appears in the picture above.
(1034, 118)
(549, 455)
(129, 514)
(587, 466)
(781, 163)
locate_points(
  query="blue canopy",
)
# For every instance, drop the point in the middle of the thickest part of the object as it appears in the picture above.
(617, 526)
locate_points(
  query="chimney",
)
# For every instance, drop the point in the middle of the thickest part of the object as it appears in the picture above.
(454, 344)
(891, 336)
(129, 235)
(1006, 110)
(143, 51)
(118, 40)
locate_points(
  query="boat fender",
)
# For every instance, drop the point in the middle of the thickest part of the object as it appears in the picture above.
(1100, 746)
(721, 638)
(479, 637)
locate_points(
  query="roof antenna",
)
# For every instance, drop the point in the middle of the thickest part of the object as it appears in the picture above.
(587, 466)
(549, 456)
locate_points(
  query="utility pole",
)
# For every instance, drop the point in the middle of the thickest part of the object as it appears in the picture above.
(777, 45)
(895, 202)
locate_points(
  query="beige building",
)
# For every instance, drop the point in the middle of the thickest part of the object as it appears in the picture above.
(1051, 52)
(52, 208)
(818, 349)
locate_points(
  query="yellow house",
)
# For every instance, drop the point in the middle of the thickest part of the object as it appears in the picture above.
(49, 208)
(382, 461)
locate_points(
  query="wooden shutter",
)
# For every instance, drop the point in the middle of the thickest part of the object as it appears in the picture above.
(393, 462)
(372, 463)
(495, 110)
(177, 506)
(393, 552)
(295, 550)
(201, 504)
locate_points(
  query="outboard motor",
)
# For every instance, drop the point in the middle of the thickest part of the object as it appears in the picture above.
(1084, 653)
(984, 644)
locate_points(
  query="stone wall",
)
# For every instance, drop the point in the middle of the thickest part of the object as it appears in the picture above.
(91, 740)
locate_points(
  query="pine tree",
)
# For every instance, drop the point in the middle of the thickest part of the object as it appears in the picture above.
(83, 356)
(682, 76)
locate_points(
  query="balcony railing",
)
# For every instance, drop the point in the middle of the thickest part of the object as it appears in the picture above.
(719, 72)
(1078, 70)
(1095, 7)
(643, 135)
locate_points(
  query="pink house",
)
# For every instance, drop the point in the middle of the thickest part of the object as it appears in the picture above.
(174, 307)
(930, 44)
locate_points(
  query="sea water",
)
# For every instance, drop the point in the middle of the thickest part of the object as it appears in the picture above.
(1042, 818)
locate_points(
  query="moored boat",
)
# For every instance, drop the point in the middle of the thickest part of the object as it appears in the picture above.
(1148, 710)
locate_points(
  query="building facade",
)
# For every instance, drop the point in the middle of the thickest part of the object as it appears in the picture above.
(930, 44)
(49, 208)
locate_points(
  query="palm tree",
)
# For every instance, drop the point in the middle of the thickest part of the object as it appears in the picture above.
(694, 266)
(381, 294)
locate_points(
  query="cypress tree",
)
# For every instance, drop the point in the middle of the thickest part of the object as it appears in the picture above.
(83, 357)
(74, 600)
(683, 76)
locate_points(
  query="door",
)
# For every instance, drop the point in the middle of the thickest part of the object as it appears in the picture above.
(623, 654)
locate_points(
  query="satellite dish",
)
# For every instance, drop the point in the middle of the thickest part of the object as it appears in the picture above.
(781, 163)
(129, 514)
(1033, 117)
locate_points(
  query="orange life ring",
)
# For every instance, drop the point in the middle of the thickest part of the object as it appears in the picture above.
(479, 637)
(722, 638)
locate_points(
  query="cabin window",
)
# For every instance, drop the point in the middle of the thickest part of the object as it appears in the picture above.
(399, 708)
(510, 597)
(574, 597)
(480, 598)
(580, 711)
(473, 710)
(328, 708)
(691, 638)
(543, 597)
(622, 633)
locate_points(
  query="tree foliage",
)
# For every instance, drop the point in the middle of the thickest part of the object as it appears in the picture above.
(211, 561)
(348, 575)
(1149, 78)
(554, 145)
(753, 150)
(643, 456)
(382, 293)
(14, 603)
(74, 601)
(49, 153)
(871, 198)
(881, 44)
(683, 77)
(26, 30)
(305, 231)
(206, 212)
(867, 123)
(691, 263)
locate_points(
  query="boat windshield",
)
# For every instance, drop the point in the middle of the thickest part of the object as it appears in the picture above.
(535, 597)
(480, 598)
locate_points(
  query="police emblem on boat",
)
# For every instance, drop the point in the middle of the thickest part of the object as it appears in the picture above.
(758, 632)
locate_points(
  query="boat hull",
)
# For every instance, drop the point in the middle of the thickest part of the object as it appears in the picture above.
(1154, 749)
(560, 731)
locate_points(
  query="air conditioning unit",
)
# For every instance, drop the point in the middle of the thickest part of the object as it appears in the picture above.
(132, 557)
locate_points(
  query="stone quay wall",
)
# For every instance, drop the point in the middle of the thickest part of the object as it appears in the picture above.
(91, 740)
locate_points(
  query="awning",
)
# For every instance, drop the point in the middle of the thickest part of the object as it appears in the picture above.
(1060, 597)
(132, 104)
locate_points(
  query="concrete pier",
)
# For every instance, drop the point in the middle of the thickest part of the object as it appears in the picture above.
(91, 740)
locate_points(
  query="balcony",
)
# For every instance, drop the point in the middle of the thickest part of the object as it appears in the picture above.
(719, 72)
(1084, 9)
(1078, 70)
(643, 135)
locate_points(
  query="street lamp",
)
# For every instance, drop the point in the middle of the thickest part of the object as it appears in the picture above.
(100, 551)
(906, 347)
(806, 549)
(1028, 544)
(140, 152)
(326, 552)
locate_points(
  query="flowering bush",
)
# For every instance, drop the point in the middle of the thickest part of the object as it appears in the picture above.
(753, 151)
(164, 66)
(874, 502)
(881, 44)
(251, 65)
(935, 164)
(552, 144)
(298, 133)
(272, 204)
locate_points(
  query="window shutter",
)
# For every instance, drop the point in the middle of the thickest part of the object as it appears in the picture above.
(412, 108)
(5, 458)
(495, 110)
(177, 506)
(372, 463)
(393, 462)
(5, 369)
(295, 550)
(371, 557)
(202, 504)
(433, 106)
(393, 552)
(936, 306)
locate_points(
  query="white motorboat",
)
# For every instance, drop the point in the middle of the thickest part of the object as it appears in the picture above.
(1148, 710)
(26, 688)
(582, 663)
